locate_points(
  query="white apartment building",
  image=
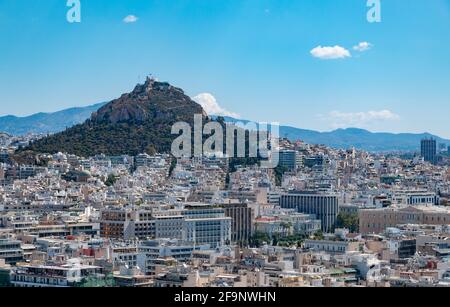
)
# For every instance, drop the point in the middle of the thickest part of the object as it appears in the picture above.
(415, 197)
(149, 252)
(67, 275)
(206, 224)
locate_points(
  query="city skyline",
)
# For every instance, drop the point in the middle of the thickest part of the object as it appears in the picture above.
(225, 151)
(311, 66)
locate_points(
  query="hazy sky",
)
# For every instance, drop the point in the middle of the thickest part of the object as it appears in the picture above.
(316, 64)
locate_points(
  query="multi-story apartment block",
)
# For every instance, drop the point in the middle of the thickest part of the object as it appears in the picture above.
(153, 250)
(206, 224)
(124, 255)
(169, 226)
(40, 276)
(332, 247)
(11, 251)
(123, 223)
(415, 197)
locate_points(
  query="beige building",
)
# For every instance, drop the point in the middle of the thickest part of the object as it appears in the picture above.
(377, 220)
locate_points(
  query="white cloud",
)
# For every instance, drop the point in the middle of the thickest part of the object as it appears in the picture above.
(363, 46)
(211, 107)
(130, 19)
(339, 119)
(330, 53)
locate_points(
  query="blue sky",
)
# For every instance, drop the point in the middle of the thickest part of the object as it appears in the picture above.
(254, 58)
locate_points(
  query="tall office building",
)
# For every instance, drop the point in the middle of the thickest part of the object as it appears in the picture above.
(428, 149)
(242, 219)
(324, 206)
(289, 159)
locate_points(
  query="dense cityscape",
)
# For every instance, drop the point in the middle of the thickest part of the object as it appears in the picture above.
(324, 218)
(234, 151)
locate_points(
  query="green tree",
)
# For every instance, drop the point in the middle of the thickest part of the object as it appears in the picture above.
(111, 180)
(349, 221)
(279, 172)
(227, 181)
(151, 150)
(173, 165)
(258, 239)
(319, 235)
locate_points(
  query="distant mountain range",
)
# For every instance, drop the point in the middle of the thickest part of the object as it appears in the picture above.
(46, 122)
(354, 137)
(341, 138)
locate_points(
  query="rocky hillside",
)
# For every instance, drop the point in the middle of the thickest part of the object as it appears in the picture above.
(139, 121)
(149, 102)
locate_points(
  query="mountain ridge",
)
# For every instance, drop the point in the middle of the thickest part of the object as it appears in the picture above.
(340, 138)
(51, 122)
(344, 138)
